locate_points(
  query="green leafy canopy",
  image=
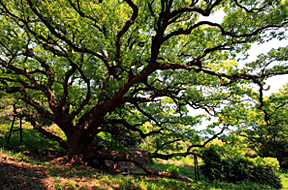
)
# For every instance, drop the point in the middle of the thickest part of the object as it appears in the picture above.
(96, 67)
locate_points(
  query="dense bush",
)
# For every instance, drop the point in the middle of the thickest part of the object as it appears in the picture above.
(212, 168)
(265, 175)
(239, 169)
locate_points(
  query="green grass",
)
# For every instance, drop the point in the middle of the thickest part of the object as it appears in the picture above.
(62, 177)
(33, 141)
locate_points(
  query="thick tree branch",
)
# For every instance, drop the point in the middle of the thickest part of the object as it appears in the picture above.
(127, 25)
(132, 127)
(87, 98)
(193, 8)
(166, 144)
(82, 14)
(253, 10)
(32, 119)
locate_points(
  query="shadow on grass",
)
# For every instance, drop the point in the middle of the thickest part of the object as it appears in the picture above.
(16, 176)
(20, 175)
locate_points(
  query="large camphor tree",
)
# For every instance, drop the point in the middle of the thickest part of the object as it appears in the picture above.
(147, 67)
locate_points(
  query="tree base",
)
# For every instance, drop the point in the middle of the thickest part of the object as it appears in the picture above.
(136, 157)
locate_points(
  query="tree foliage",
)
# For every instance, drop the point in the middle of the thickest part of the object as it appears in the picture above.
(239, 169)
(266, 130)
(142, 65)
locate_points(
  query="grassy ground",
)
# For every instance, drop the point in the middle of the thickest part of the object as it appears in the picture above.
(28, 166)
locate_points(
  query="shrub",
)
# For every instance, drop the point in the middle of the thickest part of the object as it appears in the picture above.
(227, 170)
(265, 175)
(212, 167)
(241, 169)
(259, 170)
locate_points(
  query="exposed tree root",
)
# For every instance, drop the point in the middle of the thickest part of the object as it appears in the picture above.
(137, 157)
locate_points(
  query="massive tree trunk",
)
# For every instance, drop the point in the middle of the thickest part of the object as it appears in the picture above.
(77, 142)
(79, 147)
